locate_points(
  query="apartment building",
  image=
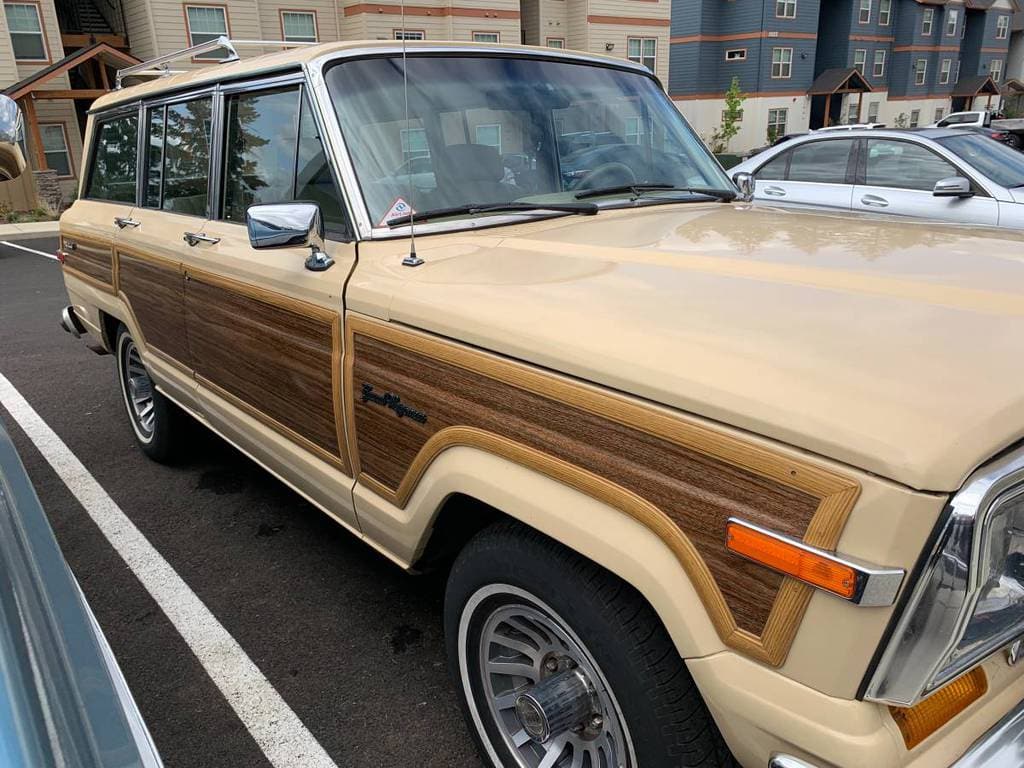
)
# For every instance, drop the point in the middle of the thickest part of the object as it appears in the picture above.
(809, 63)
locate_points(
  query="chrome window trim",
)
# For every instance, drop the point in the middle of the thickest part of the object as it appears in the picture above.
(896, 679)
(876, 586)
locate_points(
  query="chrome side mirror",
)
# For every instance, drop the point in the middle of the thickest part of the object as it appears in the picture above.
(12, 131)
(745, 184)
(954, 186)
(283, 225)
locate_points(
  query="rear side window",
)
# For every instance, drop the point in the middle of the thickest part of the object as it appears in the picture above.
(273, 154)
(903, 165)
(115, 155)
(178, 157)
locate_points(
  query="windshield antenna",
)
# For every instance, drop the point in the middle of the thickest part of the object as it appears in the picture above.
(411, 260)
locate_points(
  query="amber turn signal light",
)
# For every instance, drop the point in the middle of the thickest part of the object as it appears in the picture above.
(920, 721)
(791, 559)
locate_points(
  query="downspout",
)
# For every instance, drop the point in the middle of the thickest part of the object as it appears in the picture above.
(760, 48)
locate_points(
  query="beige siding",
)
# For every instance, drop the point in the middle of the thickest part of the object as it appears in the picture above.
(8, 68)
(577, 36)
(51, 33)
(326, 18)
(63, 112)
(463, 27)
(554, 21)
(138, 25)
(530, 10)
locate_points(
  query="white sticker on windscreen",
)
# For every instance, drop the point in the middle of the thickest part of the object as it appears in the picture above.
(398, 210)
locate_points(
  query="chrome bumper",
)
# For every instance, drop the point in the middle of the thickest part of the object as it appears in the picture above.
(1001, 747)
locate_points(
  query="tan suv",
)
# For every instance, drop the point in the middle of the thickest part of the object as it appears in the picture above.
(721, 484)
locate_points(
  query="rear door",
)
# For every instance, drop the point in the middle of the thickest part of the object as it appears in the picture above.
(898, 176)
(814, 173)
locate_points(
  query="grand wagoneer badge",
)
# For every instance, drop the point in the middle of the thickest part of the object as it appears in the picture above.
(394, 402)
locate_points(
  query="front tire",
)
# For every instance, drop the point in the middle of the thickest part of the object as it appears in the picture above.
(158, 424)
(524, 615)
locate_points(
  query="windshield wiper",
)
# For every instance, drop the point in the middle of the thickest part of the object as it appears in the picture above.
(584, 209)
(639, 189)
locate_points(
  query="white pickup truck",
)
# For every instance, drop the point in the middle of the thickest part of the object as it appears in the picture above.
(985, 119)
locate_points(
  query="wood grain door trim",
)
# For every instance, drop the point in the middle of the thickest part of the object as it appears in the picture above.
(170, 265)
(333, 319)
(835, 493)
(95, 269)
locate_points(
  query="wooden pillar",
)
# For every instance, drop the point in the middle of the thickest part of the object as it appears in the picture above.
(828, 108)
(28, 107)
(860, 103)
(104, 80)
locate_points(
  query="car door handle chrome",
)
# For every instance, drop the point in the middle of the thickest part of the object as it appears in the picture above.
(194, 239)
(123, 222)
(775, 191)
(875, 201)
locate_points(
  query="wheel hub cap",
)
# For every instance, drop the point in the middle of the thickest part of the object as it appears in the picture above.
(563, 702)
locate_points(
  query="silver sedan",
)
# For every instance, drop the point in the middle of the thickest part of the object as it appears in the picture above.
(933, 173)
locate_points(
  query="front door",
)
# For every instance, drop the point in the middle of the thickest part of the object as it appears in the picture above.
(266, 333)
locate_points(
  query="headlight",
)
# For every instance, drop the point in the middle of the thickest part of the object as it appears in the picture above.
(969, 597)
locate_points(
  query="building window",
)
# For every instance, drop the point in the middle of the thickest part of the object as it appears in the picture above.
(1002, 27)
(951, 17)
(736, 54)
(635, 132)
(489, 135)
(409, 34)
(299, 26)
(205, 23)
(486, 37)
(725, 115)
(26, 30)
(785, 9)
(995, 70)
(915, 118)
(927, 18)
(859, 57)
(414, 143)
(956, 72)
(865, 12)
(782, 63)
(776, 123)
(873, 112)
(55, 147)
(920, 71)
(879, 65)
(642, 50)
(884, 13)
(852, 112)
(944, 69)
(555, 42)
(940, 112)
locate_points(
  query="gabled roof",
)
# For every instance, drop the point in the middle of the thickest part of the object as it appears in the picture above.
(105, 53)
(973, 86)
(979, 5)
(1013, 87)
(839, 80)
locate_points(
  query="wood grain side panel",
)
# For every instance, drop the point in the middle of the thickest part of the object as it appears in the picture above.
(94, 259)
(155, 290)
(275, 357)
(679, 478)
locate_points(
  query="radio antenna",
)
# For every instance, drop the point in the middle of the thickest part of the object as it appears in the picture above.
(411, 260)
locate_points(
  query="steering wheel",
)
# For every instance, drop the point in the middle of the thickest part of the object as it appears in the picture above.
(608, 175)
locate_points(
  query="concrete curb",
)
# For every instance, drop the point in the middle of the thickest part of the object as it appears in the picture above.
(28, 229)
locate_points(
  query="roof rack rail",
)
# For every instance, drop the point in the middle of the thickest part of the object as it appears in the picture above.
(157, 67)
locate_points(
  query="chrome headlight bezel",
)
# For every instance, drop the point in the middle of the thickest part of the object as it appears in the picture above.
(917, 658)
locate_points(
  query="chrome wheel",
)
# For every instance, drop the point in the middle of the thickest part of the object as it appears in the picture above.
(544, 692)
(137, 388)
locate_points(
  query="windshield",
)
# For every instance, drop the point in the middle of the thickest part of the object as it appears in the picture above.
(1003, 164)
(487, 130)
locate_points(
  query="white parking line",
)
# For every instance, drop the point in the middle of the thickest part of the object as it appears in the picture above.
(30, 250)
(276, 728)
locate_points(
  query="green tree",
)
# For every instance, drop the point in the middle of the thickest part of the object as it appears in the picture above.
(900, 121)
(731, 117)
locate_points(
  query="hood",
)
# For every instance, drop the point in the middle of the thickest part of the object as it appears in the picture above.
(891, 345)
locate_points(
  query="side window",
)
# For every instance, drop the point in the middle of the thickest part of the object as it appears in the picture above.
(903, 165)
(156, 119)
(823, 162)
(115, 153)
(186, 161)
(774, 169)
(273, 154)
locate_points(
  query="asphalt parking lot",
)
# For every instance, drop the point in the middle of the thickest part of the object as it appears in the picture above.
(351, 643)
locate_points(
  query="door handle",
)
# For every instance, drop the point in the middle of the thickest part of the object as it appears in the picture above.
(775, 191)
(194, 239)
(123, 222)
(875, 201)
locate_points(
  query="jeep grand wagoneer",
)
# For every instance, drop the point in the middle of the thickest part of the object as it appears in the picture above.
(721, 484)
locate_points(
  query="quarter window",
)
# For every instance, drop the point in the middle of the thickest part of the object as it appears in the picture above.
(944, 69)
(879, 64)
(884, 13)
(55, 147)
(920, 71)
(785, 9)
(299, 26)
(409, 34)
(205, 23)
(951, 19)
(1002, 27)
(782, 63)
(26, 31)
(927, 19)
(113, 167)
(642, 50)
(859, 57)
(186, 158)
(995, 70)
(777, 123)
(903, 165)
(486, 37)
(865, 12)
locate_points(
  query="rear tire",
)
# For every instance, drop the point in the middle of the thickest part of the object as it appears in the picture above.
(1014, 140)
(560, 611)
(158, 423)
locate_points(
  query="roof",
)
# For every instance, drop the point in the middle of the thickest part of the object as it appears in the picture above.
(972, 86)
(102, 51)
(1012, 87)
(295, 57)
(839, 80)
